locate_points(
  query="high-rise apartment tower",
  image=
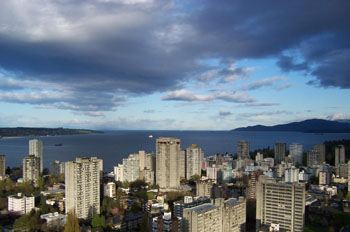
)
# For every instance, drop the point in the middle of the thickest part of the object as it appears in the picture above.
(82, 178)
(167, 162)
(36, 148)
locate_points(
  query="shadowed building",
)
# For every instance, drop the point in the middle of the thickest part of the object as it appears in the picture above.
(168, 162)
(280, 152)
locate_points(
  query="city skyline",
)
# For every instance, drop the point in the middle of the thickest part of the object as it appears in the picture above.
(188, 65)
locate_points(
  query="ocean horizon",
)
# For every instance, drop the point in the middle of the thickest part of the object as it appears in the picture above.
(113, 146)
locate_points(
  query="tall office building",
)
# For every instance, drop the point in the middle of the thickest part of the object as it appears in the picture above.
(167, 162)
(194, 158)
(280, 152)
(280, 203)
(36, 148)
(321, 149)
(339, 155)
(296, 150)
(243, 149)
(82, 178)
(2, 166)
(314, 158)
(31, 168)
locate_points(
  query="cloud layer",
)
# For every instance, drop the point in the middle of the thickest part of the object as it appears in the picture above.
(92, 56)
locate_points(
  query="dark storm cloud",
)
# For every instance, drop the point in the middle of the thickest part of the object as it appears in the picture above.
(102, 52)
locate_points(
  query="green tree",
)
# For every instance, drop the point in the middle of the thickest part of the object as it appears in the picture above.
(348, 195)
(72, 223)
(107, 205)
(29, 222)
(25, 187)
(142, 194)
(340, 194)
(40, 182)
(340, 220)
(135, 208)
(98, 221)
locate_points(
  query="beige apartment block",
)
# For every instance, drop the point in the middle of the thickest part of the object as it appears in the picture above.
(82, 178)
(280, 203)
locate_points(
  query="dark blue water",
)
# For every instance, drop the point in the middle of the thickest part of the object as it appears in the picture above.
(112, 147)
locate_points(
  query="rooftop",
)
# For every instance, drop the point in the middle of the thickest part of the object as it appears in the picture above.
(203, 208)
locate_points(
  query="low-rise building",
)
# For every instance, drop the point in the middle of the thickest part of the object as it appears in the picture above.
(20, 204)
(54, 218)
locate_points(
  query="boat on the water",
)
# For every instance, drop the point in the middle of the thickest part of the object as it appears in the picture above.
(150, 136)
(58, 144)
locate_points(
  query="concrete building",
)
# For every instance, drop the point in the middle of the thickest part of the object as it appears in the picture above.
(146, 160)
(82, 178)
(57, 168)
(194, 157)
(339, 155)
(182, 164)
(243, 149)
(252, 184)
(2, 167)
(342, 170)
(226, 175)
(118, 173)
(214, 173)
(321, 149)
(20, 204)
(222, 216)
(296, 150)
(324, 178)
(203, 187)
(147, 176)
(280, 152)
(206, 218)
(109, 190)
(54, 219)
(36, 148)
(259, 157)
(166, 223)
(131, 168)
(31, 168)
(233, 214)
(280, 203)
(291, 175)
(314, 158)
(167, 162)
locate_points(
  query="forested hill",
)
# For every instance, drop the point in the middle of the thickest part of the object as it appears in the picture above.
(29, 131)
(307, 126)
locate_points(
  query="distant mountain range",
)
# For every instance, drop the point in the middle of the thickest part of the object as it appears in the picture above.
(307, 126)
(30, 131)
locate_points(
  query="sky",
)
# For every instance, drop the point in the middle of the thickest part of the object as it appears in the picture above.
(172, 65)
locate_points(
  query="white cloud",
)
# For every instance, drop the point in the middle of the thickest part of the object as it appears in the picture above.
(184, 95)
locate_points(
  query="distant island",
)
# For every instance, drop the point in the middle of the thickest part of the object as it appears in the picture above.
(306, 126)
(32, 132)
